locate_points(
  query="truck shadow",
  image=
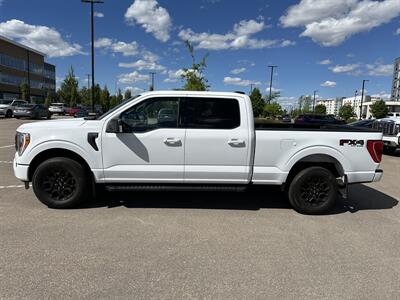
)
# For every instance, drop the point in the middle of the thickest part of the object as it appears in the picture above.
(360, 198)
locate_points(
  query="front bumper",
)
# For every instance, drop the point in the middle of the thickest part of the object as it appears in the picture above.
(20, 171)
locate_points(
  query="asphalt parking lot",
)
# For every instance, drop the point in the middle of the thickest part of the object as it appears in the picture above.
(198, 245)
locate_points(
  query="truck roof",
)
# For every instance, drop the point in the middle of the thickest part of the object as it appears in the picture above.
(193, 93)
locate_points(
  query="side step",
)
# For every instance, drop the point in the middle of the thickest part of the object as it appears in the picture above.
(184, 188)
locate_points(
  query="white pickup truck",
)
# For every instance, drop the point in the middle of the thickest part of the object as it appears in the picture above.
(390, 127)
(192, 140)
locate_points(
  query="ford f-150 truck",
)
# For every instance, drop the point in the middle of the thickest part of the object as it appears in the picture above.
(193, 140)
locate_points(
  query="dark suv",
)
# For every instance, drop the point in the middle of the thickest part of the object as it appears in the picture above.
(317, 119)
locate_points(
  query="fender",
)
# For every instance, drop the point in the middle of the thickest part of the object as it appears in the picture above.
(93, 161)
(318, 150)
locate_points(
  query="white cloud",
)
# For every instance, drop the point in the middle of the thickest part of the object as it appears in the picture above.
(126, 49)
(379, 69)
(1, 2)
(143, 65)
(42, 38)
(398, 31)
(328, 84)
(238, 71)
(383, 94)
(239, 81)
(325, 62)
(133, 77)
(134, 90)
(176, 75)
(238, 38)
(330, 23)
(344, 68)
(153, 18)
(98, 14)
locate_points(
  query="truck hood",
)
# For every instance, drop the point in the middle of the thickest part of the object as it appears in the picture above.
(54, 124)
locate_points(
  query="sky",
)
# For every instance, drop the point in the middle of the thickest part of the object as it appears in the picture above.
(324, 45)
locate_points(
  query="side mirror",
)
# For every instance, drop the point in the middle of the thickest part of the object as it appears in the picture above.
(115, 126)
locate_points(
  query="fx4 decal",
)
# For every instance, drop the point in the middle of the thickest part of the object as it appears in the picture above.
(352, 143)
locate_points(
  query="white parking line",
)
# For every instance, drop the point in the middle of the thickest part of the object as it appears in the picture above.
(6, 162)
(2, 187)
(8, 146)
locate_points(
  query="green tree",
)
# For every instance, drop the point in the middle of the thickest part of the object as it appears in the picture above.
(379, 109)
(47, 102)
(257, 102)
(320, 109)
(113, 101)
(119, 96)
(24, 89)
(84, 95)
(272, 109)
(193, 77)
(128, 94)
(69, 88)
(305, 104)
(105, 99)
(346, 112)
(274, 96)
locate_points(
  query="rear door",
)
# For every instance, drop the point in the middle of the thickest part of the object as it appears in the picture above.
(217, 140)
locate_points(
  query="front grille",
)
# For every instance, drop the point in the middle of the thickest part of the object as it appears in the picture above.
(387, 127)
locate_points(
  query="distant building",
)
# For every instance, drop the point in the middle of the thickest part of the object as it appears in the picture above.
(332, 105)
(355, 102)
(396, 81)
(21, 64)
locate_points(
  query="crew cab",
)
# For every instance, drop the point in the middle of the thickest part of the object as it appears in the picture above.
(193, 140)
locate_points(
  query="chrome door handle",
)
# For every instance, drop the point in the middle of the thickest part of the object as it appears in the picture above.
(172, 142)
(236, 143)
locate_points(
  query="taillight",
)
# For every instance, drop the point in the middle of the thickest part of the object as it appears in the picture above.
(375, 149)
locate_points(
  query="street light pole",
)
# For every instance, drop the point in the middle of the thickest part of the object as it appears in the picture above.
(362, 96)
(315, 92)
(152, 81)
(270, 82)
(92, 2)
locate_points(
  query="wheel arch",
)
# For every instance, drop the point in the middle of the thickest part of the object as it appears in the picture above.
(56, 152)
(316, 160)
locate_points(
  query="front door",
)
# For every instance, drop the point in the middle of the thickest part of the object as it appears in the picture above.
(217, 141)
(151, 149)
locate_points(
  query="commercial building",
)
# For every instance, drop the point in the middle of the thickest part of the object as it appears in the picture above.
(355, 102)
(20, 64)
(332, 105)
(396, 81)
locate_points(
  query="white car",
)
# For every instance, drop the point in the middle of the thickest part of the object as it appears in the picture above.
(57, 108)
(208, 141)
(7, 106)
(390, 127)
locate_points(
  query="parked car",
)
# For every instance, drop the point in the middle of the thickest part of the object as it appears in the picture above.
(215, 145)
(317, 119)
(58, 108)
(7, 106)
(72, 111)
(363, 123)
(390, 128)
(85, 112)
(32, 111)
(286, 119)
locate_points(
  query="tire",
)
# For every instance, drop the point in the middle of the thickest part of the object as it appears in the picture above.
(9, 114)
(61, 183)
(313, 191)
(389, 150)
(48, 116)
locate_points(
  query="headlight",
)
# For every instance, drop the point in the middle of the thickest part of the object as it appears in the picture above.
(22, 141)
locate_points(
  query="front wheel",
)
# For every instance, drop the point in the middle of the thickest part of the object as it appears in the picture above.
(61, 183)
(313, 191)
(9, 114)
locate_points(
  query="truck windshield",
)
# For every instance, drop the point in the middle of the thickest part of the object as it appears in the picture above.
(116, 107)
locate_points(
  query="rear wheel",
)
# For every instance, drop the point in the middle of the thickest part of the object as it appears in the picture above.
(9, 114)
(61, 183)
(313, 191)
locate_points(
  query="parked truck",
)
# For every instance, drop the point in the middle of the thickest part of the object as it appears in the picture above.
(390, 127)
(193, 140)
